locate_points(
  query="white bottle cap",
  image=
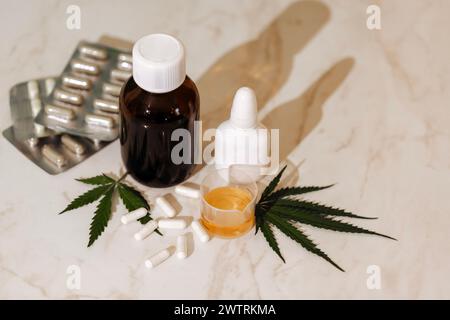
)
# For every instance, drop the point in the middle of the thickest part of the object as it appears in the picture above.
(244, 109)
(159, 63)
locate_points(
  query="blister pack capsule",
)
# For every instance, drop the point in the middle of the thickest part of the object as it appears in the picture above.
(85, 100)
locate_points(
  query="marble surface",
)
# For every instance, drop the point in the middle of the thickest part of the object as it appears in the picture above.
(365, 109)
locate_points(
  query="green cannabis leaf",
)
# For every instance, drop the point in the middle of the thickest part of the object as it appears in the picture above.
(280, 209)
(105, 189)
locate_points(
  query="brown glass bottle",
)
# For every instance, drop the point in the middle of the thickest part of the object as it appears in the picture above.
(147, 122)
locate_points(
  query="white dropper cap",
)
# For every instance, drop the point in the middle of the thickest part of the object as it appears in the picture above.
(244, 109)
(159, 63)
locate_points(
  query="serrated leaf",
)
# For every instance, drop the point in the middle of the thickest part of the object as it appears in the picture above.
(293, 191)
(317, 208)
(320, 221)
(87, 198)
(101, 216)
(268, 234)
(131, 198)
(97, 180)
(273, 184)
(288, 229)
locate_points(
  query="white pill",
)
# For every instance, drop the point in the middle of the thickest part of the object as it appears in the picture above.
(158, 258)
(146, 230)
(134, 215)
(59, 112)
(106, 105)
(54, 156)
(94, 53)
(49, 85)
(120, 75)
(166, 207)
(182, 246)
(187, 191)
(77, 82)
(85, 67)
(68, 97)
(200, 231)
(99, 120)
(33, 89)
(72, 144)
(172, 224)
(111, 89)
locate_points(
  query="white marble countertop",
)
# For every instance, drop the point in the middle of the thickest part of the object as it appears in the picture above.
(366, 109)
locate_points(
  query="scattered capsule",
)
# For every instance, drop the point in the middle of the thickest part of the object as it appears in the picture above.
(77, 82)
(120, 75)
(125, 57)
(111, 89)
(72, 144)
(146, 230)
(106, 105)
(125, 65)
(84, 67)
(182, 246)
(54, 156)
(33, 89)
(99, 120)
(94, 53)
(188, 191)
(158, 258)
(172, 223)
(166, 207)
(68, 97)
(134, 215)
(59, 112)
(49, 85)
(200, 231)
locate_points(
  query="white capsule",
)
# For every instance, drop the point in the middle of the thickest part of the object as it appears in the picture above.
(54, 156)
(84, 67)
(94, 53)
(200, 231)
(59, 112)
(49, 85)
(172, 223)
(125, 57)
(99, 120)
(72, 144)
(182, 246)
(120, 75)
(166, 207)
(77, 82)
(106, 105)
(68, 97)
(158, 258)
(33, 89)
(125, 65)
(187, 191)
(134, 215)
(111, 89)
(146, 230)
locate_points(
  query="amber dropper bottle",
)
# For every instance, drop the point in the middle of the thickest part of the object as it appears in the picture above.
(158, 99)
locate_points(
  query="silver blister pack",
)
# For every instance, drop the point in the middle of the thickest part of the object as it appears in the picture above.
(85, 99)
(25, 100)
(51, 151)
